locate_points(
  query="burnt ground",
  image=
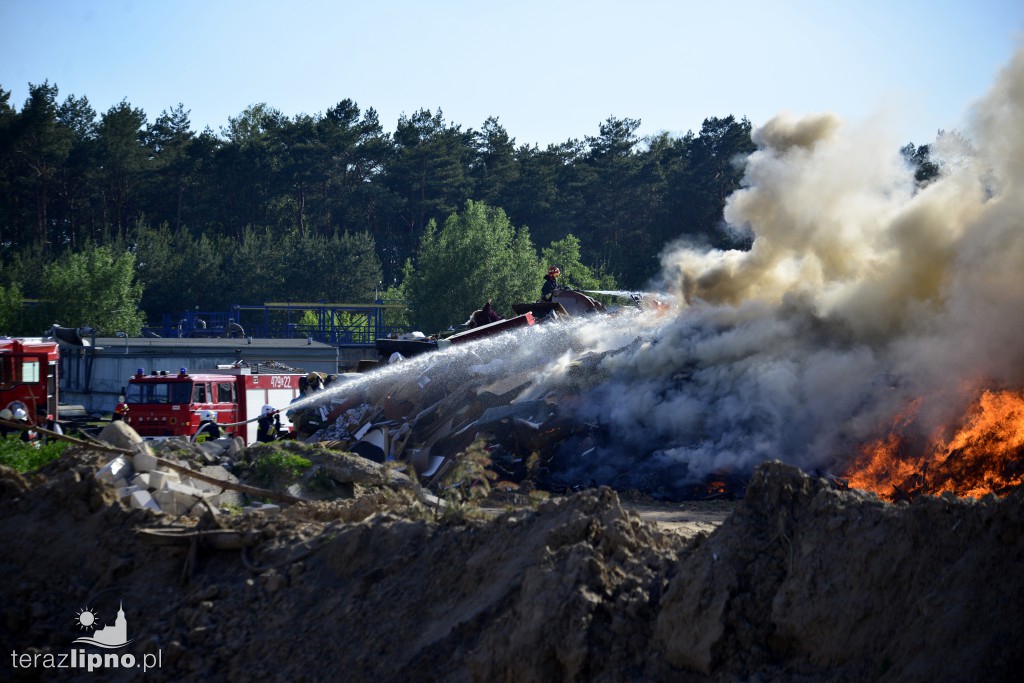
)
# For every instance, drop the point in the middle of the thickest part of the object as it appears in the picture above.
(797, 582)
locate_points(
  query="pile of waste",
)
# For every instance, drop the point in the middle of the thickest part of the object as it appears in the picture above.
(518, 392)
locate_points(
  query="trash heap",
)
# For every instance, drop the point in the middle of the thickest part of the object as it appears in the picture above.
(517, 392)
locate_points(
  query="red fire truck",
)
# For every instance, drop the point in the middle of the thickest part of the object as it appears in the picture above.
(164, 404)
(28, 376)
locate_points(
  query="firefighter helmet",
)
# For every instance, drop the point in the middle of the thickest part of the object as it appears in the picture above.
(208, 415)
(268, 410)
(20, 414)
(554, 271)
(6, 414)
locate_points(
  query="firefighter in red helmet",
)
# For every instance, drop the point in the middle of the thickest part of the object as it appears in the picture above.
(550, 284)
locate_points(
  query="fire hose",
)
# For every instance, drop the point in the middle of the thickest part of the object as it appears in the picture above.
(235, 424)
(245, 422)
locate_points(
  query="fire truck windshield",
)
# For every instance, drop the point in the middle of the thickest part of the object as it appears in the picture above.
(159, 392)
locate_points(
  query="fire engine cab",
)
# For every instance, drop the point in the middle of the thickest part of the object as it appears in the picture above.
(28, 376)
(162, 404)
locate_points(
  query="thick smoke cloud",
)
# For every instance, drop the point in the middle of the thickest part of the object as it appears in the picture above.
(860, 294)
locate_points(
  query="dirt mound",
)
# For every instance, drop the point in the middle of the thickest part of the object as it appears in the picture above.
(805, 575)
(801, 581)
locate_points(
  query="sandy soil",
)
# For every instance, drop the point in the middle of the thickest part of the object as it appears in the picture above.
(797, 582)
(688, 518)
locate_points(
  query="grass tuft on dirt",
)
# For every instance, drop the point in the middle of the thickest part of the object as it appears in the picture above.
(26, 457)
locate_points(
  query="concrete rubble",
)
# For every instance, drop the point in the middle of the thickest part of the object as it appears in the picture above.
(146, 483)
(158, 479)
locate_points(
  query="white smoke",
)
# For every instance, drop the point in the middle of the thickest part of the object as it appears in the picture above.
(860, 293)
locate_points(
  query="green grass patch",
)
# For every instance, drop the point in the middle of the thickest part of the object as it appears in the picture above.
(274, 468)
(25, 457)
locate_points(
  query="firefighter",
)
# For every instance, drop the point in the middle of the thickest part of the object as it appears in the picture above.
(208, 427)
(484, 316)
(550, 284)
(268, 427)
(27, 435)
(315, 382)
(46, 421)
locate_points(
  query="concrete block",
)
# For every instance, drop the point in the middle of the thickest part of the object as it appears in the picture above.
(174, 501)
(184, 489)
(159, 479)
(236, 449)
(212, 452)
(145, 461)
(141, 480)
(141, 500)
(176, 498)
(208, 456)
(125, 491)
(121, 435)
(225, 498)
(203, 488)
(117, 469)
(217, 472)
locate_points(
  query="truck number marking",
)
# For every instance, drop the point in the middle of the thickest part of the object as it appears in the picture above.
(279, 381)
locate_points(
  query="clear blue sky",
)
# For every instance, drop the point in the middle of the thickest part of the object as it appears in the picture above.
(550, 70)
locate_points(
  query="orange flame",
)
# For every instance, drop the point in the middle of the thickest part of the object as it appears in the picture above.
(715, 488)
(985, 454)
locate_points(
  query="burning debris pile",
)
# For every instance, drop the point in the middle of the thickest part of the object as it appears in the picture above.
(984, 455)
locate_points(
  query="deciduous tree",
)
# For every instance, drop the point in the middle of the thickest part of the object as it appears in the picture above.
(94, 288)
(565, 253)
(477, 255)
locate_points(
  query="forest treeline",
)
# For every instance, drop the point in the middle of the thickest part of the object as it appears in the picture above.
(331, 206)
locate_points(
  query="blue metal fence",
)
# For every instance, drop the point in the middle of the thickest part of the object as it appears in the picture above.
(329, 323)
